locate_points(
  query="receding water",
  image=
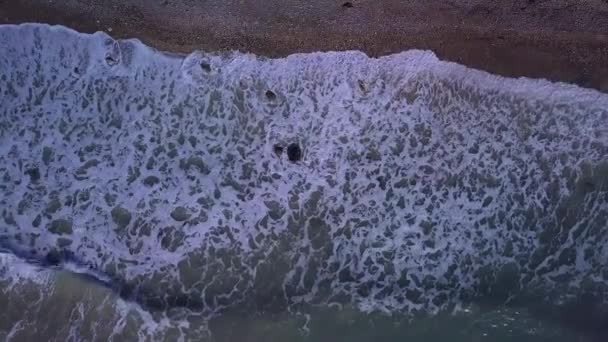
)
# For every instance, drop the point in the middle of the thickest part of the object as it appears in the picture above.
(319, 197)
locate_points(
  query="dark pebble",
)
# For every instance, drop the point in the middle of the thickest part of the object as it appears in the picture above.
(347, 4)
(270, 95)
(294, 152)
(206, 67)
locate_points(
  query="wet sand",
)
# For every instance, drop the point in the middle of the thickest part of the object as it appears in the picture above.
(560, 40)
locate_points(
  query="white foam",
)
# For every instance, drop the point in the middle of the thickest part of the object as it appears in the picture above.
(455, 146)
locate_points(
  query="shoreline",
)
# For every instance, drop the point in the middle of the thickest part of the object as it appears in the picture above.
(559, 40)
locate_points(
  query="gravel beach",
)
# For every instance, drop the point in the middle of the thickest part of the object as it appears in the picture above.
(560, 40)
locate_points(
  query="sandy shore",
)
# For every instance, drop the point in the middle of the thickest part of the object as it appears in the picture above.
(561, 40)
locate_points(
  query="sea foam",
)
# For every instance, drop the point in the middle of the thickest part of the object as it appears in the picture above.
(423, 184)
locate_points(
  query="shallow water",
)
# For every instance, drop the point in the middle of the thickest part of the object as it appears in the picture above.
(148, 195)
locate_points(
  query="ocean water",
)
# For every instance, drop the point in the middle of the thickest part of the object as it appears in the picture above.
(151, 196)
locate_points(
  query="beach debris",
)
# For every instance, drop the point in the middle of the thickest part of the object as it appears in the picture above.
(294, 152)
(206, 67)
(348, 4)
(270, 95)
